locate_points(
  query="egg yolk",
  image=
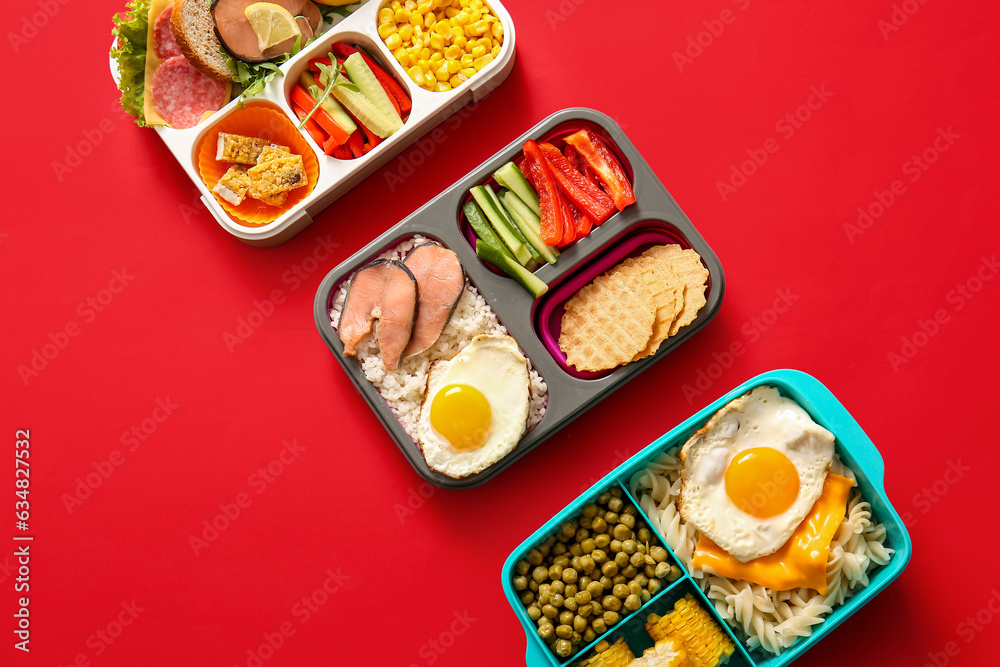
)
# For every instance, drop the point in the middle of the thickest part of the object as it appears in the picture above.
(462, 415)
(762, 482)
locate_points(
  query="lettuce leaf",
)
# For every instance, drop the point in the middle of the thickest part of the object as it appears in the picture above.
(129, 52)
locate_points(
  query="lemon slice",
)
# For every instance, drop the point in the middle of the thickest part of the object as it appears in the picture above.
(271, 23)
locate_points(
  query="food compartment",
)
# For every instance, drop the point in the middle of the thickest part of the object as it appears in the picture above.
(591, 567)
(634, 241)
(514, 153)
(349, 124)
(468, 438)
(445, 45)
(268, 124)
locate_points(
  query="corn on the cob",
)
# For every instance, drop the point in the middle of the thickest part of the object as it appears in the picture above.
(612, 655)
(704, 642)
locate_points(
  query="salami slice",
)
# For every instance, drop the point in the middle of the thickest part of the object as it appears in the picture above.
(182, 94)
(163, 37)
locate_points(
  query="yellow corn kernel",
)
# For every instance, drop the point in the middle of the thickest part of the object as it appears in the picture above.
(480, 28)
(475, 4)
(384, 15)
(466, 60)
(395, 5)
(453, 52)
(401, 16)
(416, 74)
(442, 72)
(424, 7)
(463, 3)
(442, 28)
(489, 18)
(478, 51)
(437, 41)
(461, 18)
(416, 20)
(443, 87)
(460, 41)
(475, 15)
(495, 51)
(480, 63)
(418, 30)
(469, 72)
(497, 30)
(425, 54)
(450, 12)
(436, 57)
(424, 65)
(393, 41)
(453, 66)
(410, 5)
(425, 40)
(386, 29)
(485, 42)
(457, 80)
(406, 32)
(429, 21)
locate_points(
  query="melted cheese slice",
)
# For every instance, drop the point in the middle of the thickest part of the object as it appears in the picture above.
(800, 561)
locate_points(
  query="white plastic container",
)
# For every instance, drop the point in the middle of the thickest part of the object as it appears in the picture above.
(336, 176)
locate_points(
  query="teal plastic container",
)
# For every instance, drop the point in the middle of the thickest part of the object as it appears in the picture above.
(855, 449)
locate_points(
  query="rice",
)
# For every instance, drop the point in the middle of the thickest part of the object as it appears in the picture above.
(403, 389)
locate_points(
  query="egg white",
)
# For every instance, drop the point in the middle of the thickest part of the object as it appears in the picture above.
(762, 418)
(494, 365)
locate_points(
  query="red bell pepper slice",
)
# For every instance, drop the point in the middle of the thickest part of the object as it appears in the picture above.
(573, 157)
(566, 213)
(301, 97)
(343, 153)
(540, 176)
(356, 143)
(586, 196)
(582, 223)
(312, 127)
(600, 159)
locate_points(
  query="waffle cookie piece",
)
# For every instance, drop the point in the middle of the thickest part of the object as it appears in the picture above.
(686, 263)
(610, 655)
(234, 184)
(608, 322)
(279, 174)
(704, 642)
(666, 290)
(239, 149)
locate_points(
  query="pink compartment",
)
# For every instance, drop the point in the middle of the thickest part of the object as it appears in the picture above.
(548, 311)
(556, 137)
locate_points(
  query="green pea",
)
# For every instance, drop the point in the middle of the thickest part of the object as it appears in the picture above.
(540, 574)
(563, 648)
(611, 617)
(659, 554)
(519, 583)
(546, 631)
(564, 631)
(632, 602)
(534, 613)
(599, 625)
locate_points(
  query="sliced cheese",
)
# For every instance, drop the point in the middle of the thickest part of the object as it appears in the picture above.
(156, 8)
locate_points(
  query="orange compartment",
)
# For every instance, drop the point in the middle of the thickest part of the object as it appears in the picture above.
(266, 122)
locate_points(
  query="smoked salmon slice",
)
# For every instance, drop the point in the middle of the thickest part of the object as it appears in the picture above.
(383, 290)
(440, 283)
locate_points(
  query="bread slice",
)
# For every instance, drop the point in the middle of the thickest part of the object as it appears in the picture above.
(194, 30)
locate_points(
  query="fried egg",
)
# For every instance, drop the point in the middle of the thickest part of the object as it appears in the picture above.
(753, 473)
(476, 406)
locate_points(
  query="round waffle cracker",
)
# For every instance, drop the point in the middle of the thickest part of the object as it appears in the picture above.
(666, 290)
(607, 322)
(686, 263)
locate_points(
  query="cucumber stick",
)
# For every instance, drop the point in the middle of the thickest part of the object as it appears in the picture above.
(513, 226)
(530, 224)
(499, 221)
(361, 75)
(364, 110)
(526, 278)
(477, 220)
(510, 177)
(331, 106)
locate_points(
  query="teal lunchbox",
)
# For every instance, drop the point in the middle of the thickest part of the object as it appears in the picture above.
(855, 449)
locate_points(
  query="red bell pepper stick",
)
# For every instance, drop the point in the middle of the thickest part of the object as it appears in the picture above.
(343, 153)
(566, 213)
(312, 127)
(586, 196)
(356, 143)
(600, 159)
(301, 97)
(582, 223)
(538, 173)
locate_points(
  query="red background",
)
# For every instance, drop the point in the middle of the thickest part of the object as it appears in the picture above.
(337, 506)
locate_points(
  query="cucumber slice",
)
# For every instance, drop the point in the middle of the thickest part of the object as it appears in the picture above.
(477, 220)
(513, 226)
(526, 278)
(529, 223)
(510, 177)
(340, 117)
(363, 77)
(364, 110)
(498, 220)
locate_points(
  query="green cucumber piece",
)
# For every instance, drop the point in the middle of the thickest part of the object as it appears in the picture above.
(363, 77)
(529, 223)
(526, 278)
(364, 110)
(510, 177)
(477, 220)
(503, 228)
(513, 225)
(340, 117)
